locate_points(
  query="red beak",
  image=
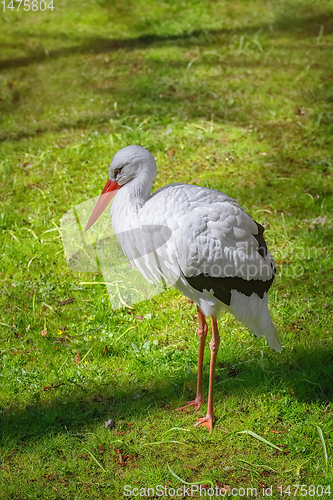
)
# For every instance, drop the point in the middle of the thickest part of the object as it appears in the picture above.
(107, 194)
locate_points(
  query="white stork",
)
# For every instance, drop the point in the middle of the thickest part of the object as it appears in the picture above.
(213, 251)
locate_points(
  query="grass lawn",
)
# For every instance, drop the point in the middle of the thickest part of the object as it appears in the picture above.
(234, 95)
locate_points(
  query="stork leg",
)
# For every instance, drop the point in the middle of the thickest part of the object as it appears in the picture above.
(202, 334)
(214, 347)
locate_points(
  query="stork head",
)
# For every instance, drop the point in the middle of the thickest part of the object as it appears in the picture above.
(129, 164)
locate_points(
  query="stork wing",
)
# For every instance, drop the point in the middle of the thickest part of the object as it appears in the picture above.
(215, 243)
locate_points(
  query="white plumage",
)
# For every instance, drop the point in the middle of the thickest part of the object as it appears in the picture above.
(205, 244)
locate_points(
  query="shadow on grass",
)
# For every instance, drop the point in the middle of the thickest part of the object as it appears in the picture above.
(307, 378)
(188, 101)
(306, 26)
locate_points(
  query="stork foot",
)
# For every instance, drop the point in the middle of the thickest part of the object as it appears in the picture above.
(206, 422)
(196, 403)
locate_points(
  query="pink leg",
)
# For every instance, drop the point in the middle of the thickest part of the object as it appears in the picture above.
(214, 347)
(202, 334)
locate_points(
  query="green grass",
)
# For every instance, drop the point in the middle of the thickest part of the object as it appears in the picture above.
(232, 95)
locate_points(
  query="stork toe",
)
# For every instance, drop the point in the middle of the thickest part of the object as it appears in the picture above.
(206, 422)
(196, 403)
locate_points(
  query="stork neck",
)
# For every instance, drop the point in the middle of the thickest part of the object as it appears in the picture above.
(128, 202)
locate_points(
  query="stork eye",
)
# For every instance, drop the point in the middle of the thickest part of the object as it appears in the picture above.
(117, 171)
